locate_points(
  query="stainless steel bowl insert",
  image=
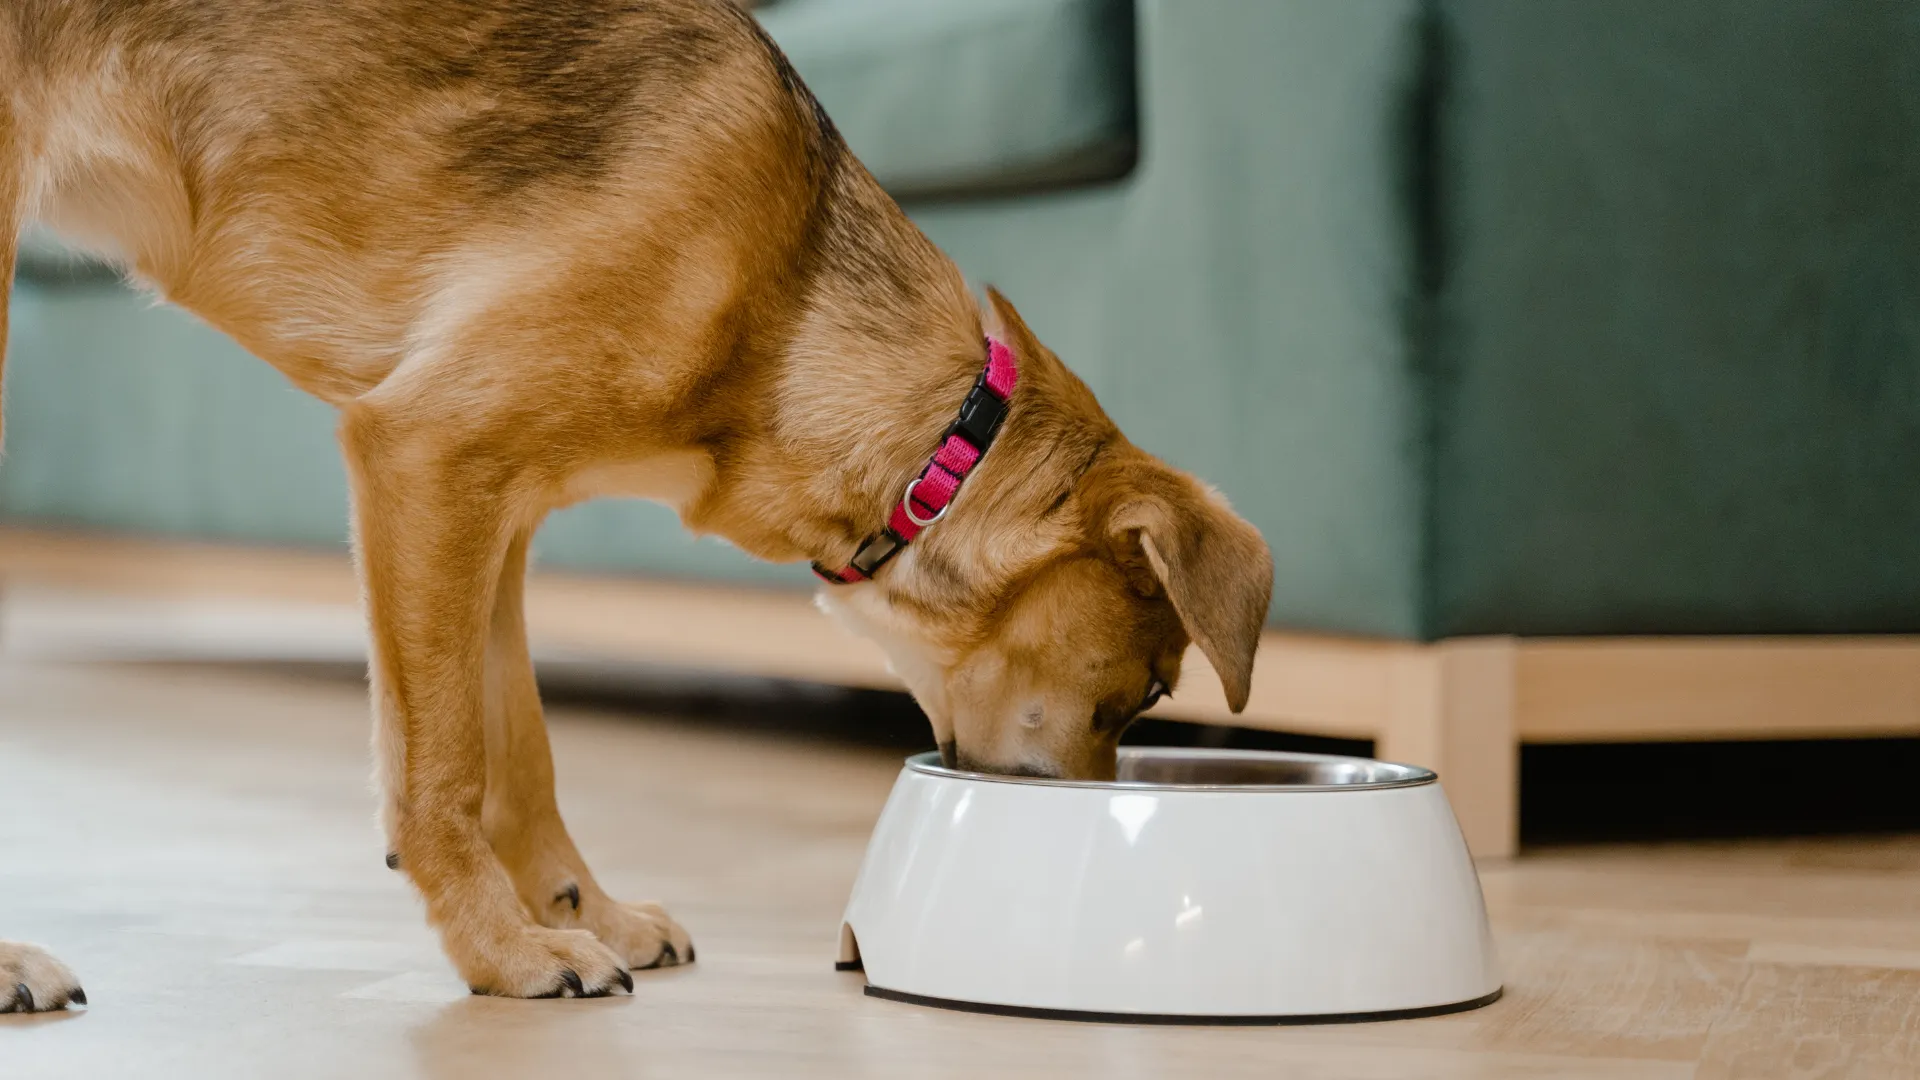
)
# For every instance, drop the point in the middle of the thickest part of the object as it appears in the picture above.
(1161, 768)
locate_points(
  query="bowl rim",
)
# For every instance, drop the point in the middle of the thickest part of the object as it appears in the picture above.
(1397, 775)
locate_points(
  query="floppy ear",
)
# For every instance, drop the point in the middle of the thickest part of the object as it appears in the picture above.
(1214, 566)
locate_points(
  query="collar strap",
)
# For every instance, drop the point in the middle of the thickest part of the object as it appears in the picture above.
(930, 495)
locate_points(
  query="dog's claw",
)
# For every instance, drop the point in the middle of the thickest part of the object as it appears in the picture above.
(25, 995)
(572, 979)
(689, 952)
(571, 894)
(668, 957)
(626, 980)
(78, 997)
(393, 860)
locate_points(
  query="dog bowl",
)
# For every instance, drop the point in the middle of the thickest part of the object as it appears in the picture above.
(1201, 886)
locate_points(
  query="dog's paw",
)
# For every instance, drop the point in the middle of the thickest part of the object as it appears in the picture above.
(643, 934)
(31, 980)
(543, 963)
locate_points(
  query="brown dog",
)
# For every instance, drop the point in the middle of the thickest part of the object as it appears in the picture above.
(537, 251)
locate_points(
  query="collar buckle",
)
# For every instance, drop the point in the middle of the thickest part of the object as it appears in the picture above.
(981, 415)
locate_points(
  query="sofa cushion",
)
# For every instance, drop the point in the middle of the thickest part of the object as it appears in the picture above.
(1679, 386)
(963, 96)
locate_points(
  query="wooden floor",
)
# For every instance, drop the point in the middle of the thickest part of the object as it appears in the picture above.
(197, 842)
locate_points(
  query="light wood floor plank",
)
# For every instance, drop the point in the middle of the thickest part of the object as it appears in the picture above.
(1793, 1021)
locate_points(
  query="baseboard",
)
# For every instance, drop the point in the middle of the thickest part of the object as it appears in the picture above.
(1655, 689)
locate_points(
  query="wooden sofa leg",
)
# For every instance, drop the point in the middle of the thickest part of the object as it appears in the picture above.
(1452, 710)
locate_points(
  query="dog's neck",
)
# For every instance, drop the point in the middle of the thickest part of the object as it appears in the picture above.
(854, 377)
(955, 571)
(899, 391)
(859, 386)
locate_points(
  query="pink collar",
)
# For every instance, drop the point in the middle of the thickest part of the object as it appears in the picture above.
(930, 495)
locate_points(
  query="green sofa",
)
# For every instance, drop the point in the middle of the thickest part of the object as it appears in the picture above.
(1540, 318)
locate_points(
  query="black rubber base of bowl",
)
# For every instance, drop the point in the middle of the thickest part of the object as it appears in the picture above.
(1196, 1021)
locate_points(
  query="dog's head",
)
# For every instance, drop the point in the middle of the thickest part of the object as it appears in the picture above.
(1035, 624)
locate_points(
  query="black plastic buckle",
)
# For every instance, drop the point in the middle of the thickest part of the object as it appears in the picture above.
(981, 415)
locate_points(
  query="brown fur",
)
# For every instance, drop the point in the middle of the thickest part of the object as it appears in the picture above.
(537, 251)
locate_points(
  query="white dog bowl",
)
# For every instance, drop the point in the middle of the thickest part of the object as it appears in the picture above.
(1202, 886)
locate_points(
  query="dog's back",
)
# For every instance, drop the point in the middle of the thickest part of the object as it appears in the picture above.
(334, 183)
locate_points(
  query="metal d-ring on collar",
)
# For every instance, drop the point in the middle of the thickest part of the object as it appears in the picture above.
(906, 503)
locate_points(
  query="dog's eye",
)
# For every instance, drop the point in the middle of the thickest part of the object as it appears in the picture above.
(1155, 691)
(1112, 716)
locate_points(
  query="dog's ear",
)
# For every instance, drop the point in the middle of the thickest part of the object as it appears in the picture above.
(1006, 324)
(1214, 566)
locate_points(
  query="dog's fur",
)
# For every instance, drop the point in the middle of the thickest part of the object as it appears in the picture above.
(537, 251)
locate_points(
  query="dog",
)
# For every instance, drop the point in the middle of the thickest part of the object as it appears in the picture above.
(541, 251)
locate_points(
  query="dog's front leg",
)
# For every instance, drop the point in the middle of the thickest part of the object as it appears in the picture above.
(521, 816)
(434, 515)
